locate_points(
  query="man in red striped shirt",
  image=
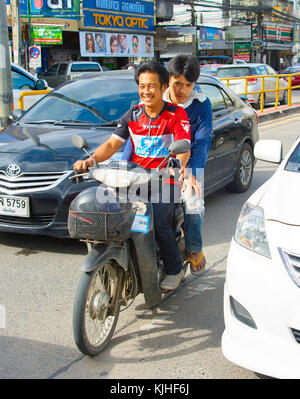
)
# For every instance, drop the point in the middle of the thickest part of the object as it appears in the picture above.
(152, 126)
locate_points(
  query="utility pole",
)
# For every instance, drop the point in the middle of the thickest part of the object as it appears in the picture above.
(6, 96)
(193, 23)
(15, 22)
(259, 35)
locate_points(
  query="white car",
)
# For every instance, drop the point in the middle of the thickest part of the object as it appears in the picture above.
(22, 80)
(262, 286)
(254, 83)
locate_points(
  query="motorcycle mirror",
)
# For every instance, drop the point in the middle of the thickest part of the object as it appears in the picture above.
(179, 147)
(79, 142)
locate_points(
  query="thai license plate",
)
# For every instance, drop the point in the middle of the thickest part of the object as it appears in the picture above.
(14, 206)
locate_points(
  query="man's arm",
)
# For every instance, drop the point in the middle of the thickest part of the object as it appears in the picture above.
(102, 153)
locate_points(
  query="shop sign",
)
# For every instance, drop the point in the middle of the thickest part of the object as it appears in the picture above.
(257, 43)
(70, 25)
(206, 33)
(119, 15)
(241, 31)
(54, 8)
(46, 35)
(204, 45)
(98, 44)
(241, 51)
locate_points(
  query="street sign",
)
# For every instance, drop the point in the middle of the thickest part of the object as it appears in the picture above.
(35, 59)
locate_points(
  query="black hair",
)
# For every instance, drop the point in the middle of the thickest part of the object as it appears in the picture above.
(154, 67)
(186, 65)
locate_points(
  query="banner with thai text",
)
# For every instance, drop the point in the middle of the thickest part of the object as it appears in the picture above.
(46, 35)
(99, 44)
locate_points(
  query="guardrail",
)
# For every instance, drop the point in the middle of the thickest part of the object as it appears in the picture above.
(289, 87)
(30, 93)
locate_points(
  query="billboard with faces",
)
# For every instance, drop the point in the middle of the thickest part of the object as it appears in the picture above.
(106, 44)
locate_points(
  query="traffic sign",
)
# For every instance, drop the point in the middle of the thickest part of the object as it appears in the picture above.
(35, 59)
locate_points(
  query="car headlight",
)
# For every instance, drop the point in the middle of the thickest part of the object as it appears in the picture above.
(250, 230)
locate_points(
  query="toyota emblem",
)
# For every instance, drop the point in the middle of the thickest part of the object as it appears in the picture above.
(13, 170)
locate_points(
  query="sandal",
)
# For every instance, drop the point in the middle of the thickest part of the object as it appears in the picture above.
(201, 259)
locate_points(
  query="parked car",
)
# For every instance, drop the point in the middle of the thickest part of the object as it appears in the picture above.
(295, 78)
(61, 72)
(22, 80)
(254, 84)
(210, 69)
(262, 287)
(37, 154)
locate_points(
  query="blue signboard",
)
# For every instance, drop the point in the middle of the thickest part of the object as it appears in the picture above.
(23, 6)
(119, 15)
(207, 33)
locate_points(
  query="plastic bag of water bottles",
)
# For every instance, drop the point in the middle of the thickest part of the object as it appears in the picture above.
(193, 203)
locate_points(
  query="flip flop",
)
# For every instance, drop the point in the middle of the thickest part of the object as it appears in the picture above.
(197, 272)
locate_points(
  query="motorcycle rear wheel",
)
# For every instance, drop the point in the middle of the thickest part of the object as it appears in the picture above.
(97, 307)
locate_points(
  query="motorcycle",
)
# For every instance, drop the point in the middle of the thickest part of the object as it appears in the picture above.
(123, 258)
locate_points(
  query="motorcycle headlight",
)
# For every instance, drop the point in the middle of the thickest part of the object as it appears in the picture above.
(250, 230)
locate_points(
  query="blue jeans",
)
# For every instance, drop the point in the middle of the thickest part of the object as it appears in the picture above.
(193, 230)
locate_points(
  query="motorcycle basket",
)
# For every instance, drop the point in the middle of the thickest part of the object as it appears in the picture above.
(110, 224)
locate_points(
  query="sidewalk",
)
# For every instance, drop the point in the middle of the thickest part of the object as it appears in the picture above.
(283, 110)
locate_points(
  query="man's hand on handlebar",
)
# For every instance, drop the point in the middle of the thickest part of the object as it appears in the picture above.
(82, 166)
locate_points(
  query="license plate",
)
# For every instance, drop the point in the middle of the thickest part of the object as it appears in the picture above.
(14, 206)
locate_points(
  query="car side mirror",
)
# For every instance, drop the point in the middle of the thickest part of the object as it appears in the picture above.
(179, 147)
(17, 113)
(41, 84)
(268, 150)
(244, 98)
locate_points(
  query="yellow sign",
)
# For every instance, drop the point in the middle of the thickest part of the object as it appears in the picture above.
(120, 21)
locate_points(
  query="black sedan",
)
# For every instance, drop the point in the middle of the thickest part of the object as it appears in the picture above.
(37, 155)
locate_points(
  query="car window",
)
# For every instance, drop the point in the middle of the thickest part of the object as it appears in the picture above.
(208, 69)
(270, 70)
(52, 70)
(62, 69)
(233, 72)
(85, 68)
(20, 81)
(293, 163)
(90, 100)
(218, 98)
(260, 70)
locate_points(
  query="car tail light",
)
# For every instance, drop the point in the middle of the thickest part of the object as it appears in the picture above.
(252, 81)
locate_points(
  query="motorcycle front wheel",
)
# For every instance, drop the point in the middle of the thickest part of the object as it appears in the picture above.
(97, 307)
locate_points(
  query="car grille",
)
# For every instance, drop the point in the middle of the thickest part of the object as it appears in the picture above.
(292, 264)
(30, 182)
(296, 334)
(39, 220)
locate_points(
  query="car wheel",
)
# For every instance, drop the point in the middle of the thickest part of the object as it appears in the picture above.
(258, 104)
(244, 173)
(284, 100)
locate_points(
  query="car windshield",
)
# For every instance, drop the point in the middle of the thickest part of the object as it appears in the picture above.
(85, 68)
(293, 164)
(99, 100)
(233, 72)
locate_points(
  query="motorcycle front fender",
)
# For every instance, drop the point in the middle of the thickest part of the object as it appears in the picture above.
(101, 253)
